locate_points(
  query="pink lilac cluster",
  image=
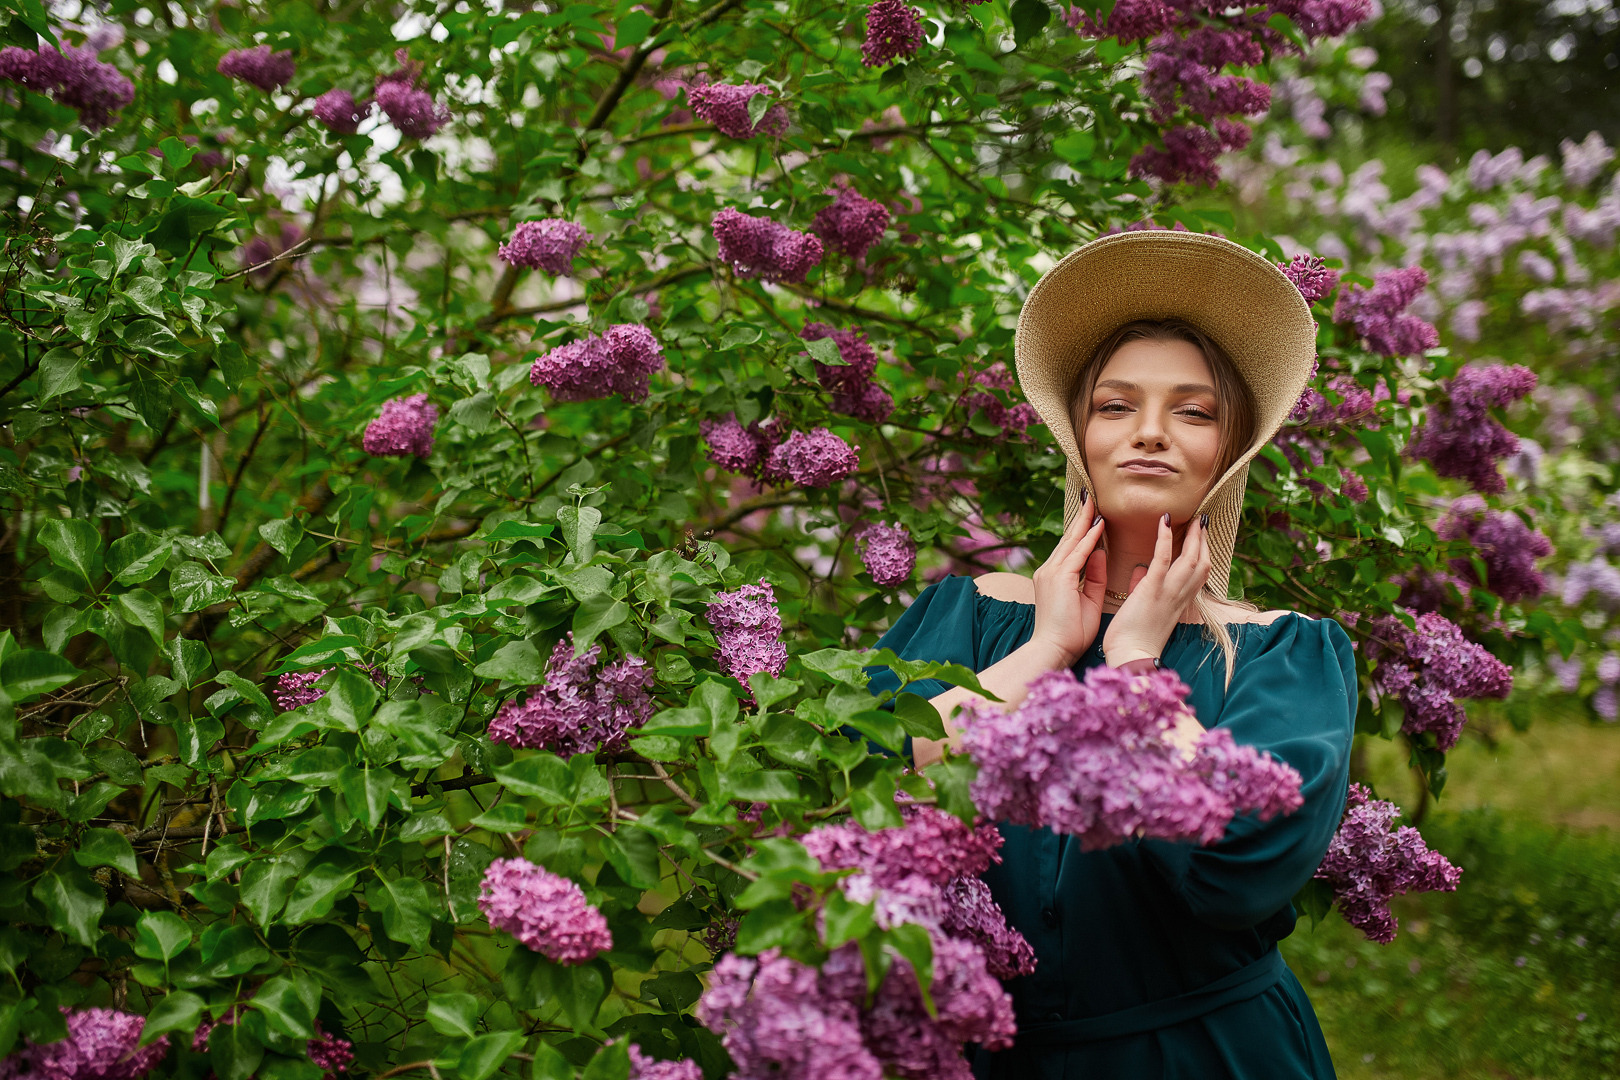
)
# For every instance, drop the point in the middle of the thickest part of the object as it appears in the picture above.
(748, 631)
(407, 106)
(1585, 161)
(622, 362)
(1379, 314)
(1460, 438)
(1355, 404)
(726, 107)
(1371, 860)
(893, 30)
(100, 1045)
(850, 383)
(1013, 420)
(852, 223)
(927, 871)
(1096, 760)
(331, 1054)
(782, 1019)
(258, 66)
(1185, 74)
(1508, 547)
(578, 709)
(643, 1067)
(1429, 667)
(734, 447)
(339, 112)
(74, 76)
(403, 428)
(888, 552)
(296, 688)
(1314, 280)
(544, 911)
(759, 247)
(814, 459)
(550, 245)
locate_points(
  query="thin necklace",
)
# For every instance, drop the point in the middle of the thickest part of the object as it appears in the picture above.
(1112, 595)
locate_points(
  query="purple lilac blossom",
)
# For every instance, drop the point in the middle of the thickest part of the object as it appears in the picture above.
(1314, 280)
(850, 384)
(550, 245)
(1608, 668)
(1095, 759)
(544, 911)
(100, 1045)
(971, 913)
(852, 223)
(1370, 861)
(776, 1019)
(296, 688)
(732, 446)
(1379, 315)
(578, 709)
(643, 1067)
(259, 66)
(971, 1004)
(404, 428)
(1460, 438)
(759, 247)
(893, 31)
(726, 107)
(1585, 161)
(1352, 486)
(1429, 667)
(338, 110)
(1013, 420)
(408, 107)
(1606, 703)
(748, 632)
(74, 77)
(621, 362)
(1355, 404)
(1508, 547)
(932, 844)
(888, 552)
(1567, 672)
(330, 1053)
(816, 459)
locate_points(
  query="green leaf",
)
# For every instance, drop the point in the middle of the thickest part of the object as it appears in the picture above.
(407, 910)
(283, 534)
(75, 546)
(542, 775)
(366, 790)
(134, 558)
(161, 935)
(485, 1053)
(142, 610)
(825, 350)
(264, 886)
(151, 336)
(59, 373)
(739, 333)
(919, 717)
(579, 530)
(952, 779)
(289, 1003)
(329, 875)
(194, 588)
(632, 30)
(1029, 18)
(516, 661)
(764, 786)
(756, 108)
(104, 847)
(612, 1061)
(73, 903)
(177, 1010)
(455, 1015)
(475, 413)
(234, 1052)
(913, 942)
(634, 854)
(596, 615)
(31, 672)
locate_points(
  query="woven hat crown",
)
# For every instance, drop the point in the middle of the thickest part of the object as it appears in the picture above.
(1241, 300)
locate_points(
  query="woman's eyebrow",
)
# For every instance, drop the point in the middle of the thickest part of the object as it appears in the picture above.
(1183, 388)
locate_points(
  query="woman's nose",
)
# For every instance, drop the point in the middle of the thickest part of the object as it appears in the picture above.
(1150, 433)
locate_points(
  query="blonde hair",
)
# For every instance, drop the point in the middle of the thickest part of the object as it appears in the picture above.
(1235, 409)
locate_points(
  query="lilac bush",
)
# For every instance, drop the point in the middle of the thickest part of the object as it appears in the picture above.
(545, 912)
(100, 1045)
(581, 707)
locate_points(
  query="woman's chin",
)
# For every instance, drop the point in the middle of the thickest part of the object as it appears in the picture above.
(1142, 507)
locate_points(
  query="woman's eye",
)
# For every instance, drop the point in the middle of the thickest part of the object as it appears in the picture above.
(1115, 407)
(1197, 413)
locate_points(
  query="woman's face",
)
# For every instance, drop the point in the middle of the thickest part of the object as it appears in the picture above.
(1151, 431)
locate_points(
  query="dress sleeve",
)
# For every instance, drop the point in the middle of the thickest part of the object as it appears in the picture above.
(939, 625)
(1294, 696)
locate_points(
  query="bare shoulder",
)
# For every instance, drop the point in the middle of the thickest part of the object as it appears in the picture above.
(1006, 586)
(1235, 614)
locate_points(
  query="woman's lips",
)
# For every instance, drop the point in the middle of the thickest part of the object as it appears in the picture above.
(1142, 467)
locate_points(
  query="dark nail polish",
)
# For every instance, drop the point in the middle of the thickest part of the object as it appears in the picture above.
(1167, 517)
(1203, 521)
(1084, 495)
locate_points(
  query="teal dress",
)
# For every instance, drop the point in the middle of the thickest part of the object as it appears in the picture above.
(1158, 959)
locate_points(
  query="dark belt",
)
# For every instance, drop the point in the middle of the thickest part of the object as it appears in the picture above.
(1240, 985)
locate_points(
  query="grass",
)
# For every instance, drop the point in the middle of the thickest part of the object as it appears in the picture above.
(1517, 974)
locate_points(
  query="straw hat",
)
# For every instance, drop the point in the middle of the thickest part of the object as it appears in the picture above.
(1241, 300)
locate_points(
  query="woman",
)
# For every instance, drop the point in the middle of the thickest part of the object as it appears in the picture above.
(1161, 362)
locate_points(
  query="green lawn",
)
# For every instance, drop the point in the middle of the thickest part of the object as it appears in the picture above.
(1517, 975)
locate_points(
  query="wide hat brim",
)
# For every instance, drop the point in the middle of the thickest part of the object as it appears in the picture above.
(1240, 299)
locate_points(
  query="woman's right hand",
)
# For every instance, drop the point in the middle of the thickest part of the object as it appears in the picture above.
(1069, 588)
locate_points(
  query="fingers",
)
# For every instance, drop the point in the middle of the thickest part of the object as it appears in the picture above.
(1095, 586)
(1077, 529)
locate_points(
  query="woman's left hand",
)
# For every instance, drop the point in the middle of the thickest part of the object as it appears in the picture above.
(1159, 593)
